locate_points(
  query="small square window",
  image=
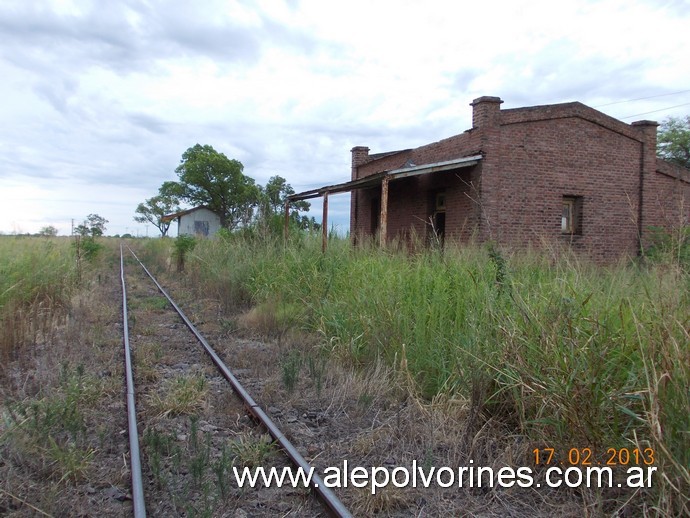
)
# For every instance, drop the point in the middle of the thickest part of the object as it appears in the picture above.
(201, 228)
(571, 215)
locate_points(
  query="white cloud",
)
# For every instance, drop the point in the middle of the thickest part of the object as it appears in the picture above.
(100, 100)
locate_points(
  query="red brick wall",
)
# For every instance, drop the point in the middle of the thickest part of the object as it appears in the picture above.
(542, 161)
(532, 157)
(361, 207)
(667, 198)
(412, 201)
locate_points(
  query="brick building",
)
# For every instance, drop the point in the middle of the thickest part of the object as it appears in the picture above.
(560, 174)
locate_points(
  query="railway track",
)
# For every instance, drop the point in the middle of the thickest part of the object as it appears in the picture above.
(185, 424)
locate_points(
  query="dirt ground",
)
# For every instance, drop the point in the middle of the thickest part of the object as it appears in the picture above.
(193, 429)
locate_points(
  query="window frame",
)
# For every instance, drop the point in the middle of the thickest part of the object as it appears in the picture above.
(202, 228)
(571, 225)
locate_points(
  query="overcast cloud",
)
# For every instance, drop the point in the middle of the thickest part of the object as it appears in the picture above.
(100, 99)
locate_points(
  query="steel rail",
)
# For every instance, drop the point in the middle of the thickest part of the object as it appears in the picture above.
(134, 455)
(328, 496)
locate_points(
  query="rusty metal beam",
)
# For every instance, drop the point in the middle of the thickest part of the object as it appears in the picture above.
(287, 221)
(376, 178)
(384, 210)
(324, 224)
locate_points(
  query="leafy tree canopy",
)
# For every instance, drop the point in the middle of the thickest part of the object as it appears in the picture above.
(153, 209)
(93, 226)
(673, 140)
(48, 231)
(207, 177)
(275, 194)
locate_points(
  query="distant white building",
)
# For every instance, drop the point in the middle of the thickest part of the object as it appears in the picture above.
(198, 221)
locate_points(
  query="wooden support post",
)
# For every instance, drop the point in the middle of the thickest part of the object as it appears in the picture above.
(324, 223)
(287, 221)
(384, 210)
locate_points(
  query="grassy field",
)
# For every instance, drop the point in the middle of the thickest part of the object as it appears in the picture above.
(557, 351)
(37, 276)
(550, 350)
(56, 427)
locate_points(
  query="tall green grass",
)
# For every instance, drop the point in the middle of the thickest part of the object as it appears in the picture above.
(563, 352)
(36, 279)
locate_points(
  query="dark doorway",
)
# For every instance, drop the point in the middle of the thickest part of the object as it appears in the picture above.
(440, 226)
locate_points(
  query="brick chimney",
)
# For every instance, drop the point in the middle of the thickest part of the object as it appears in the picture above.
(648, 130)
(360, 155)
(486, 111)
(486, 119)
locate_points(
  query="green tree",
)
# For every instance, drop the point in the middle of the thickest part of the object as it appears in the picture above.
(48, 231)
(153, 209)
(209, 178)
(673, 140)
(274, 195)
(85, 245)
(276, 191)
(93, 226)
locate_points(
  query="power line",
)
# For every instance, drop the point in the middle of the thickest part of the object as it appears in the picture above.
(655, 111)
(641, 99)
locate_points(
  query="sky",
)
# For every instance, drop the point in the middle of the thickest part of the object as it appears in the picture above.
(100, 99)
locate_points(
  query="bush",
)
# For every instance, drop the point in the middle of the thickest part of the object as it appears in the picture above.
(670, 246)
(182, 246)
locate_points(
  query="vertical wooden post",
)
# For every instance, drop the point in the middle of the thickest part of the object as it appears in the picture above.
(384, 210)
(324, 223)
(287, 221)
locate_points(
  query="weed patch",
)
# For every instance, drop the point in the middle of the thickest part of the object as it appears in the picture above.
(556, 350)
(51, 432)
(182, 395)
(37, 278)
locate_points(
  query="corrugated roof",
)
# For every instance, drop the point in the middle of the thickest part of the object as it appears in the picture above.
(170, 217)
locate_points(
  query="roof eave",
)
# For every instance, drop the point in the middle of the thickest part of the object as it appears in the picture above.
(376, 178)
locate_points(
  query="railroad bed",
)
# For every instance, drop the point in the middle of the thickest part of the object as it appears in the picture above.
(194, 421)
(64, 448)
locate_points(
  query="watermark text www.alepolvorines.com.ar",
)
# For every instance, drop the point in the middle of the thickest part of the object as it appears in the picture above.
(471, 476)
